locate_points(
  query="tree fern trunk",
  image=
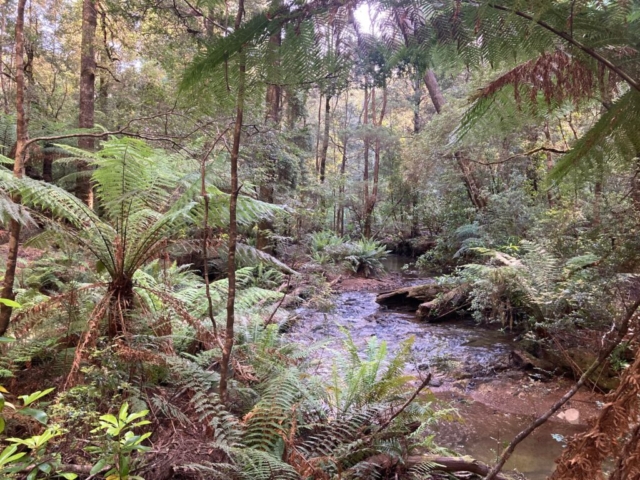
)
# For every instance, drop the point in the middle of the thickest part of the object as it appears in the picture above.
(21, 138)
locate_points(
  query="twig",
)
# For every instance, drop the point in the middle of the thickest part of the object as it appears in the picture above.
(519, 155)
(286, 291)
(604, 354)
(422, 386)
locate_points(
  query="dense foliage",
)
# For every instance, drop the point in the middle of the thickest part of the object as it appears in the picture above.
(177, 176)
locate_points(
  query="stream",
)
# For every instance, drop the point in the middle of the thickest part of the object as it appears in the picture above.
(472, 373)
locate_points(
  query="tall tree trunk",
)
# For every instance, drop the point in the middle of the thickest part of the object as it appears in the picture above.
(233, 226)
(343, 167)
(48, 156)
(470, 182)
(371, 201)
(318, 134)
(435, 93)
(87, 95)
(547, 136)
(273, 104)
(3, 84)
(325, 138)
(365, 170)
(473, 189)
(417, 99)
(18, 170)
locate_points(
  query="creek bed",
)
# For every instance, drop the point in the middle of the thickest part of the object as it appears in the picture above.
(468, 360)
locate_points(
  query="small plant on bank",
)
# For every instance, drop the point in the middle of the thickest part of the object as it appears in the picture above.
(365, 257)
(121, 443)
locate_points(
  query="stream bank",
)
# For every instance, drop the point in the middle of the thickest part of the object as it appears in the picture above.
(473, 371)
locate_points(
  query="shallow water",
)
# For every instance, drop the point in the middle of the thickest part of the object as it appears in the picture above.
(457, 349)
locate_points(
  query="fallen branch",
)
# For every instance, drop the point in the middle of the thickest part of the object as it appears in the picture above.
(422, 386)
(440, 464)
(604, 354)
(454, 464)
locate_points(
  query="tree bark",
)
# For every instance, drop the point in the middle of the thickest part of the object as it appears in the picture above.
(470, 182)
(365, 171)
(325, 138)
(87, 95)
(233, 226)
(372, 200)
(318, 134)
(434, 90)
(273, 104)
(417, 99)
(3, 84)
(343, 168)
(48, 156)
(18, 170)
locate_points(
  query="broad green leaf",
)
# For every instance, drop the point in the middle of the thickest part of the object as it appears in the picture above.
(124, 412)
(39, 415)
(98, 467)
(68, 475)
(35, 396)
(10, 303)
(135, 416)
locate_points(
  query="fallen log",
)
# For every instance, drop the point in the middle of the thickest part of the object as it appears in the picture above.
(436, 463)
(412, 297)
(446, 305)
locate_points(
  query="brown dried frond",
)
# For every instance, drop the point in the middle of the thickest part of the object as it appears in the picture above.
(628, 466)
(87, 338)
(203, 335)
(558, 75)
(585, 454)
(129, 354)
(308, 467)
(162, 330)
(242, 372)
(23, 322)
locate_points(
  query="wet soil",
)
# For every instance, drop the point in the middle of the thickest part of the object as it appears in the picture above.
(472, 373)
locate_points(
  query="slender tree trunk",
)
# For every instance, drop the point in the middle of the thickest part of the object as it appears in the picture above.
(417, 99)
(635, 184)
(547, 136)
(87, 94)
(365, 171)
(318, 135)
(372, 200)
(273, 104)
(325, 138)
(233, 226)
(343, 167)
(597, 194)
(434, 90)
(470, 182)
(18, 170)
(47, 163)
(3, 84)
